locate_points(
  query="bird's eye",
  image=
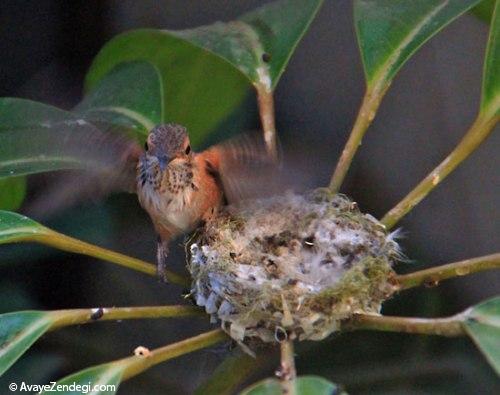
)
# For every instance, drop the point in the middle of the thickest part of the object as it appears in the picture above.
(146, 145)
(188, 149)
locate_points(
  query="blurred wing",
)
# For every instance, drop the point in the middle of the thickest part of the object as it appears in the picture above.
(245, 169)
(102, 162)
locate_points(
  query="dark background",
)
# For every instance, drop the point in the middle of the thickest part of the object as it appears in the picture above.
(46, 48)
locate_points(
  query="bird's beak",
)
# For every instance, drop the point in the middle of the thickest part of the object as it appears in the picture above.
(163, 161)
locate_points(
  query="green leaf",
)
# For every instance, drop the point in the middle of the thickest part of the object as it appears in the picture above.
(15, 227)
(484, 10)
(260, 43)
(305, 385)
(482, 324)
(102, 379)
(12, 191)
(198, 88)
(205, 71)
(20, 113)
(38, 138)
(130, 96)
(390, 31)
(18, 331)
(16, 114)
(490, 101)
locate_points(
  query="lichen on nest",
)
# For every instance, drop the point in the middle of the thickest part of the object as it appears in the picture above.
(291, 264)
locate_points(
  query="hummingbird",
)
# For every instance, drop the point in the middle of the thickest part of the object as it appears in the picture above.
(177, 187)
(180, 188)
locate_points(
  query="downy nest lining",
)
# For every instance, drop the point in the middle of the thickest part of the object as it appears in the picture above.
(291, 264)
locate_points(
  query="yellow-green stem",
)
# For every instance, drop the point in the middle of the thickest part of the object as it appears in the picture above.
(62, 318)
(369, 106)
(138, 364)
(66, 243)
(450, 326)
(265, 101)
(480, 129)
(434, 275)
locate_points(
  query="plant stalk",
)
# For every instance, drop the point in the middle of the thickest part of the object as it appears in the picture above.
(369, 106)
(434, 275)
(138, 364)
(62, 318)
(287, 372)
(450, 326)
(480, 129)
(265, 102)
(66, 243)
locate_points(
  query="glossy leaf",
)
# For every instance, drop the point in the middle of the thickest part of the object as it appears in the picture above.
(305, 385)
(205, 71)
(129, 96)
(260, 42)
(490, 101)
(102, 379)
(18, 331)
(17, 114)
(390, 31)
(15, 227)
(482, 323)
(12, 191)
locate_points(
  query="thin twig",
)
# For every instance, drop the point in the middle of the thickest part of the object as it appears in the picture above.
(265, 101)
(62, 318)
(366, 114)
(434, 275)
(287, 372)
(450, 326)
(138, 364)
(66, 243)
(480, 129)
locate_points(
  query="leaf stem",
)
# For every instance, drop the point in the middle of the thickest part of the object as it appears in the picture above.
(450, 326)
(66, 243)
(265, 102)
(480, 129)
(369, 106)
(138, 364)
(287, 372)
(62, 318)
(434, 275)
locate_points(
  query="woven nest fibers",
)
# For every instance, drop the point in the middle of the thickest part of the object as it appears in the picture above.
(291, 264)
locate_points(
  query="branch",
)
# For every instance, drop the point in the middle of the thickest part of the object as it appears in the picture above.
(138, 364)
(451, 326)
(371, 101)
(265, 101)
(287, 372)
(480, 129)
(62, 318)
(66, 243)
(437, 274)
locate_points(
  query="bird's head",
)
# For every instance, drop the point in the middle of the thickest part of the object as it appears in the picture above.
(168, 143)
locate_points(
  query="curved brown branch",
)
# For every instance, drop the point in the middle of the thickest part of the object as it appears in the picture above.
(480, 129)
(371, 102)
(62, 318)
(265, 101)
(434, 275)
(450, 326)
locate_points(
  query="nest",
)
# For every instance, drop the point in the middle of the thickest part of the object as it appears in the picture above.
(291, 264)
